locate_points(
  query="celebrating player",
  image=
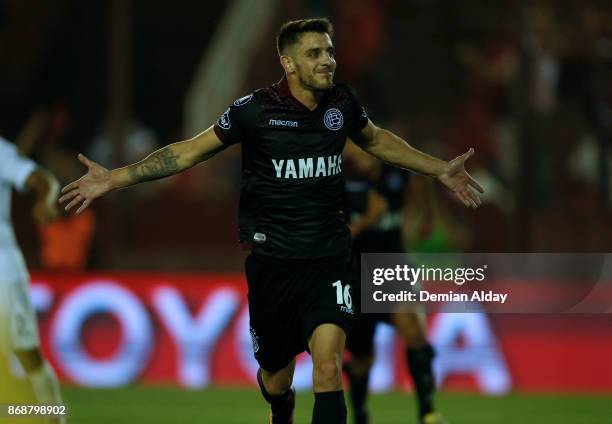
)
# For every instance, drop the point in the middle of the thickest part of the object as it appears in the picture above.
(291, 209)
(18, 328)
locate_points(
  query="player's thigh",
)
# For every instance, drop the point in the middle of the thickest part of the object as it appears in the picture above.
(18, 319)
(327, 342)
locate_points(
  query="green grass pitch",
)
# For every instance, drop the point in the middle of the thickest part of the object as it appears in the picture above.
(244, 406)
(139, 404)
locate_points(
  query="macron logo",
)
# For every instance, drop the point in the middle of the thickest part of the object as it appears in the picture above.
(281, 123)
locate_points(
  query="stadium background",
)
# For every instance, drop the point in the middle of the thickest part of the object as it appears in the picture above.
(141, 301)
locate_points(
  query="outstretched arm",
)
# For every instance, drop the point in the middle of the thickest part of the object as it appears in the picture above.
(168, 160)
(390, 148)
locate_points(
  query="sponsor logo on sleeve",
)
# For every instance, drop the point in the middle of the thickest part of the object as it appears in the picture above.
(243, 100)
(224, 120)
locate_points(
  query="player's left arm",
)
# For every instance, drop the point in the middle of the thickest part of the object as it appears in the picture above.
(386, 146)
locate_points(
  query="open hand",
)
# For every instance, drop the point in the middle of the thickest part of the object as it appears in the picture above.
(455, 177)
(90, 186)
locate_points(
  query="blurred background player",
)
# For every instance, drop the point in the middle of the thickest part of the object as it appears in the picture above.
(18, 327)
(65, 244)
(375, 197)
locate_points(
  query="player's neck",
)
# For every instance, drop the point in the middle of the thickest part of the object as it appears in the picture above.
(308, 97)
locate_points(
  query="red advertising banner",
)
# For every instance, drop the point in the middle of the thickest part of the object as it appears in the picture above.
(192, 330)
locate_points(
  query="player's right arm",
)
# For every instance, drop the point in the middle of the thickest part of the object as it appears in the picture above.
(169, 160)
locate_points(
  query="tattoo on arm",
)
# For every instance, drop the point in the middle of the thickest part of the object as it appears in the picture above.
(158, 165)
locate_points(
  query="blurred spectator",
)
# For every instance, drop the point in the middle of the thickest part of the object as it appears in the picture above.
(65, 244)
(359, 49)
(486, 119)
(543, 45)
(139, 142)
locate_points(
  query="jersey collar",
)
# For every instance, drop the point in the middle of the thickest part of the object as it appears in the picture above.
(282, 88)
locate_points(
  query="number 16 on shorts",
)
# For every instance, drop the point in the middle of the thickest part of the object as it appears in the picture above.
(343, 296)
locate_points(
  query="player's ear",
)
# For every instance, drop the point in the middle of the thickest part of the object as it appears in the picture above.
(287, 64)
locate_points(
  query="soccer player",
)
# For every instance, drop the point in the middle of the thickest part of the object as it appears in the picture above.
(18, 327)
(291, 209)
(375, 195)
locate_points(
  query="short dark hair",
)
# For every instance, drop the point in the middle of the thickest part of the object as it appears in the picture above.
(290, 31)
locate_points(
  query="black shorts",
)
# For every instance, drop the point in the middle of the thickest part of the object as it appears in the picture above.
(360, 339)
(288, 299)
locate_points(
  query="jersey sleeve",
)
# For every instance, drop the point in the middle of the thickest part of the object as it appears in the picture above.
(237, 122)
(359, 116)
(14, 168)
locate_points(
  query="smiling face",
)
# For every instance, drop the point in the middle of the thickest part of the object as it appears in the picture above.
(312, 61)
